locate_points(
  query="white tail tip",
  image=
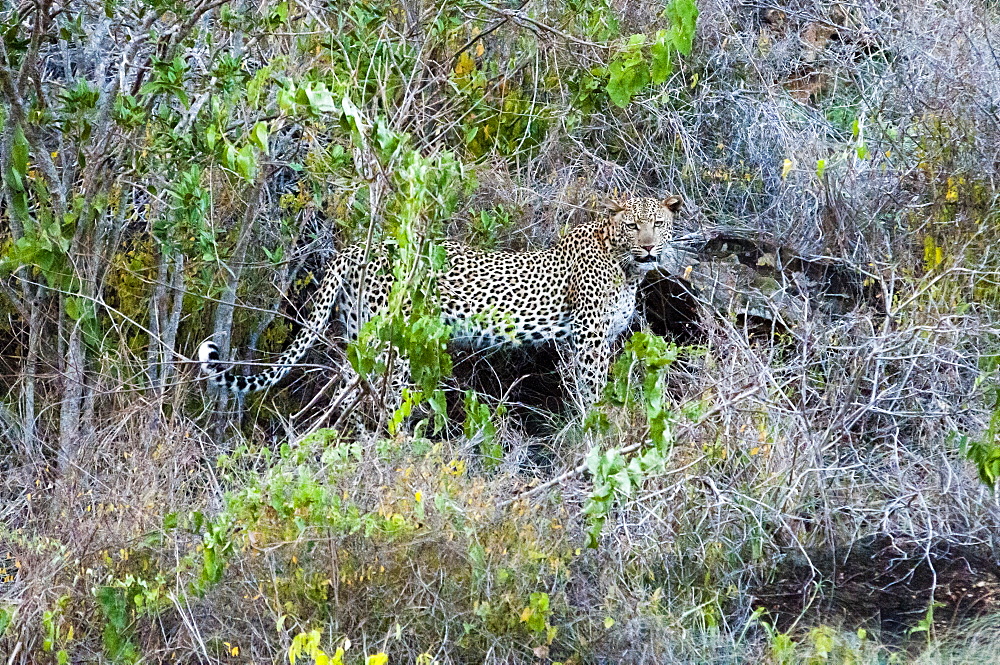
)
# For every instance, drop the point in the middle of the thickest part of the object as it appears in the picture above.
(207, 352)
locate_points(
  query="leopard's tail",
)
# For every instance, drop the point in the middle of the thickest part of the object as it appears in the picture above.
(221, 374)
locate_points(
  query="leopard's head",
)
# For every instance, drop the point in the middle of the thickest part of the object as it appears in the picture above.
(643, 227)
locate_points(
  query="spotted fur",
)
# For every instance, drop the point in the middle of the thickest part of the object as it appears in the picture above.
(581, 292)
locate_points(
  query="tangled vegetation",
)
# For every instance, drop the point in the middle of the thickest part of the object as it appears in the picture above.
(810, 483)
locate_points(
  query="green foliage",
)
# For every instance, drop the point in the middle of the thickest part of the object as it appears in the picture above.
(589, 93)
(985, 454)
(310, 98)
(6, 618)
(54, 636)
(168, 80)
(428, 190)
(683, 17)
(926, 624)
(297, 495)
(186, 225)
(16, 175)
(508, 127)
(823, 644)
(638, 64)
(508, 120)
(984, 451)
(308, 645)
(117, 636)
(782, 649)
(479, 423)
(648, 355)
(371, 118)
(148, 596)
(615, 476)
(485, 227)
(216, 545)
(45, 237)
(44, 246)
(629, 72)
(78, 103)
(536, 616)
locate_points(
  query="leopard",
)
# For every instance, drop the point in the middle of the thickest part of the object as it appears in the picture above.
(580, 293)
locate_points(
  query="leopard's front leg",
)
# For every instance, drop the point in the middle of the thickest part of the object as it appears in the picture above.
(602, 310)
(592, 352)
(592, 370)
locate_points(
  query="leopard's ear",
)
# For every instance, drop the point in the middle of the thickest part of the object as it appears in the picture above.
(613, 206)
(672, 203)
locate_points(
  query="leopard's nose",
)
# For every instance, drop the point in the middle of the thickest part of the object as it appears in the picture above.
(648, 248)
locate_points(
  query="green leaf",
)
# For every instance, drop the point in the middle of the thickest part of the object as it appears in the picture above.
(246, 162)
(622, 481)
(19, 152)
(354, 118)
(628, 72)
(286, 100)
(319, 98)
(74, 308)
(683, 16)
(229, 156)
(16, 176)
(635, 41)
(603, 491)
(593, 534)
(638, 465)
(258, 136)
(661, 67)
(985, 454)
(6, 618)
(211, 136)
(540, 601)
(255, 86)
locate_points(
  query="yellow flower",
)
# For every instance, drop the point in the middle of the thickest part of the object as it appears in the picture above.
(786, 168)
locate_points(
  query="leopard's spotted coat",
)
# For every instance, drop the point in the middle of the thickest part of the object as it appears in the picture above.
(581, 292)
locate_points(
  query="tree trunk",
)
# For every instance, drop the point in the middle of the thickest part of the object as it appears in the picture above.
(173, 321)
(29, 434)
(223, 323)
(157, 310)
(70, 409)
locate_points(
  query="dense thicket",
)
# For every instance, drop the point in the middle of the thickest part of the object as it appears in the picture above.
(178, 170)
